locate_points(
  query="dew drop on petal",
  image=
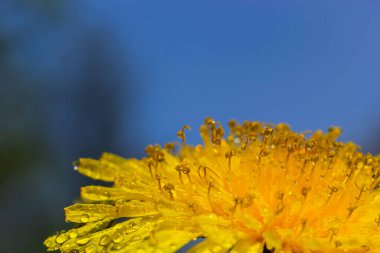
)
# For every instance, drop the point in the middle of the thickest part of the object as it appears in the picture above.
(83, 240)
(117, 247)
(104, 240)
(135, 238)
(117, 237)
(91, 249)
(84, 218)
(62, 238)
(73, 234)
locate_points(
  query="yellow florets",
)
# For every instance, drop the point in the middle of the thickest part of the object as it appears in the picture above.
(262, 188)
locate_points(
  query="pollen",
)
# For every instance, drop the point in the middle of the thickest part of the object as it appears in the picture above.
(261, 188)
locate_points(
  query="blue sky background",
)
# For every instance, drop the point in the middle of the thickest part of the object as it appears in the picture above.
(81, 77)
(309, 63)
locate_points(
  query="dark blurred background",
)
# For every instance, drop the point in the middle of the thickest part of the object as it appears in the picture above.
(81, 77)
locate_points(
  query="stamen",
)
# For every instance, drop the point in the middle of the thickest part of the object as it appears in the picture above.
(169, 188)
(205, 169)
(334, 232)
(193, 206)
(170, 147)
(178, 168)
(314, 161)
(216, 130)
(246, 141)
(303, 224)
(361, 189)
(150, 164)
(158, 178)
(263, 152)
(280, 207)
(181, 134)
(236, 203)
(156, 154)
(305, 190)
(186, 171)
(243, 202)
(338, 244)
(333, 190)
(182, 168)
(210, 185)
(229, 154)
(351, 208)
(266, 134)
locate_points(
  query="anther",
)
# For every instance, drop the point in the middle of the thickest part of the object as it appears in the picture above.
(218, 134)
(182, 168)
(156, 153)
(229, 154)
(266, 134)
(186, 171)
(181, 134)
(216, 129)
(263, 152)
(178, 168)
(291, 149)
(169, 188)
(170, 147)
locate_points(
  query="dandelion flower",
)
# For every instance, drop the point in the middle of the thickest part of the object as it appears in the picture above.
(262, 188)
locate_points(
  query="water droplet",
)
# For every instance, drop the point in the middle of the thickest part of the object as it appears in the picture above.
(84, 218)
(83, 240)
(117, 247)
(91, 249)
(73, 234)
(117, 236)
(62, 238)
(135, 238)
(67, 245)
(104, 240)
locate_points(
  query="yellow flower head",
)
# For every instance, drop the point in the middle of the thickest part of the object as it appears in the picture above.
(263, 188)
